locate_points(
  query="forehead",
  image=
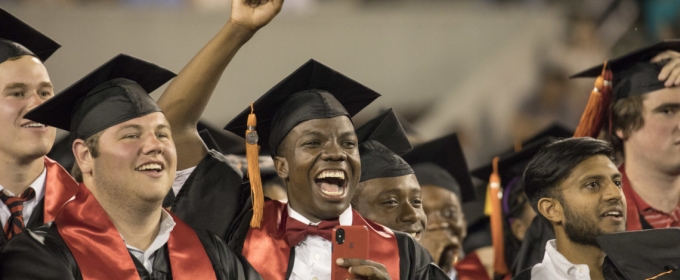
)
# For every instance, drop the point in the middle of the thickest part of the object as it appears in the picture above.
(330, 126)
(151, 121)
(434, 196)
(598, 165)
(404, 184)
(665, 95)
(27, 69)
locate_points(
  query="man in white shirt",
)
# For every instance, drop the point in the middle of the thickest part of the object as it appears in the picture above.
(575, 185)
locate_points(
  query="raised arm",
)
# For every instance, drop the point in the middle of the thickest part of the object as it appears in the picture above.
(185, 99)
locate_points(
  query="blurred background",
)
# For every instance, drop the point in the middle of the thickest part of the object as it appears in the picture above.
(495, 71)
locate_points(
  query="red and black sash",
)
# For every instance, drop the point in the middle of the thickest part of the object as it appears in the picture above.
(266, 249)
(59, 188)
(101, 252)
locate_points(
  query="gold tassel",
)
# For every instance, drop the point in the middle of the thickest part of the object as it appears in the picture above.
(597, 107)
(499, 266)
(252, 156)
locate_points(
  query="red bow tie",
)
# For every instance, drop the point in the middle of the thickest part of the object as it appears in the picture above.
(296, 231)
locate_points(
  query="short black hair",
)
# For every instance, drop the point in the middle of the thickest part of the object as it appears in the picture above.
(555, 162)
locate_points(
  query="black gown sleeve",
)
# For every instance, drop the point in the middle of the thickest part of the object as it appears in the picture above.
(227, 264)
(38, 254)
(213, 198)
(415, 262)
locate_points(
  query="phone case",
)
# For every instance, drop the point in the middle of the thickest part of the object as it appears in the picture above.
(348, 242)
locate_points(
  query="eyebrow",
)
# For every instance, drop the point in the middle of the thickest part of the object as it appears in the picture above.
(14, 85)
(46, 84)
(668, 105)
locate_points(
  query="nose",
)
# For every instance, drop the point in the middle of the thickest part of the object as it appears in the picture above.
(34, 100)
(152, 145)
(333, 152)
(409, 214)
(612, 192)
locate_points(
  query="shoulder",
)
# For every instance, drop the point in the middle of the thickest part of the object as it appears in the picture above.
(226, 263)
(38, 254)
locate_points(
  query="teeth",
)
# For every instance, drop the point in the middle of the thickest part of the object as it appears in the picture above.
(331, 174)
(34, 124)
(150, 166)
(613, 213)
(413, 234)
(332, 193)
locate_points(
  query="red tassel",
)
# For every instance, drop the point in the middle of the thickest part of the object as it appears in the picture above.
(597, 108)
(252, 156)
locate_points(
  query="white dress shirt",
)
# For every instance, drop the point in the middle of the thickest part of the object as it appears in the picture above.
(38, 186)
(180, 178)
(147, 257)
(556, 267)
(313, 254)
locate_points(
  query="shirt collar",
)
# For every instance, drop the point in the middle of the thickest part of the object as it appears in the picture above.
(38, 186)
(166, 225)
(558, 263)
(345, 218)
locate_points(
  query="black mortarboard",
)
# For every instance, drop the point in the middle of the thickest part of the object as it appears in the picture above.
(18, 38)
(633, 73)
(222, 141)
(511, 163)
(644, 254)
(381, 141)
(441, 163)
(115, 92)
(313, 91)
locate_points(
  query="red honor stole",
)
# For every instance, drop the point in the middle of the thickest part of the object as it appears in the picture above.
(471, 268)
(101, 253)
(267, 251)
(59, 188)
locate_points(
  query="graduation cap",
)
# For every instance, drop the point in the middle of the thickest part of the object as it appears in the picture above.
(313, 91)
(644, 254)
(381, 141)
(115, 92)
(18, 38)
(61, 152)
(441, 163)
(222, 141)
(625, 76)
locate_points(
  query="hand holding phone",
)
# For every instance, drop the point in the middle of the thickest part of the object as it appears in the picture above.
(349, 242)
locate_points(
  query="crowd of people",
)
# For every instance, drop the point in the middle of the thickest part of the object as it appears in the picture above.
(153, 194)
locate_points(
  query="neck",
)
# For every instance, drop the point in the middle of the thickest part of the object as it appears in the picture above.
(138, 224)
(18, 174)
(659, 189)
(577, 253)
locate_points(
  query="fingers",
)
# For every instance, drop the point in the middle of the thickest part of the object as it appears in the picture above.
(668, 54)
(364, 268)
(667, 70)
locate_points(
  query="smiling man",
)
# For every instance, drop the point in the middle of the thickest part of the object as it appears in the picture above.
(33, 186)
(305, 120)
(574, 184)
(115, 227)
(388, 192)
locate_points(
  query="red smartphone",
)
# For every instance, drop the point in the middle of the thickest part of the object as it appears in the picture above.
(348, 242)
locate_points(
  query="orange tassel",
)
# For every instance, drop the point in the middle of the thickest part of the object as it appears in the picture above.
(252, 156)
(499, 266)
(597, 108)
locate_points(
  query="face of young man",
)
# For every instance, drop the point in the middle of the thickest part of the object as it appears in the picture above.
(446, 226)
(657, 142)
(592, 201)
(394, 202)
(137, 161)
(319, 159)
(24, 84)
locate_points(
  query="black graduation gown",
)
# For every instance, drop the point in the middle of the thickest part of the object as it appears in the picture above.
(215, 198)
(42, 254)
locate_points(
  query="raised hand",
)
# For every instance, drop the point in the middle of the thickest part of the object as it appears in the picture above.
(671, 71)
(254, 14)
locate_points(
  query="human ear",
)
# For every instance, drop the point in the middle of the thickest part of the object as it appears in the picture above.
(281, 166)
(619, 133)
(83, 156)
(551, 209)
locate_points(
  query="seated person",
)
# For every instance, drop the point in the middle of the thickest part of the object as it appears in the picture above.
(115, 227)
(445, 182)
(388, 192)
(574, 184)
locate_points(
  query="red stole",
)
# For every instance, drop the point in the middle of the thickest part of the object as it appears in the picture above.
(632, 213)
(471, 268)
(59, 188)
(101, 253)
(266, 249)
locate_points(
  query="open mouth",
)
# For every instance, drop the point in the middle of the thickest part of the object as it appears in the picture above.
(331, 183)
(615, 213)
(33, 125)
(416, 235)
(151, 167)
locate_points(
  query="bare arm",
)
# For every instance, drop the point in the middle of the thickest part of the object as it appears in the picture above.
(185, 99)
